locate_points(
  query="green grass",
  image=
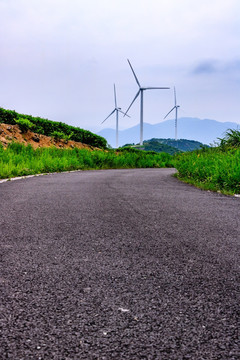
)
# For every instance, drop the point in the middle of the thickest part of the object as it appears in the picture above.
(215, 169)
(20, 160)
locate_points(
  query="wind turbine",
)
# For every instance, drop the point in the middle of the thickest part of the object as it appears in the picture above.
(140, 92)
(117, 109)
(176, 112)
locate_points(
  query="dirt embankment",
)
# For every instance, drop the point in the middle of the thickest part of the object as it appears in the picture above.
(9, 133)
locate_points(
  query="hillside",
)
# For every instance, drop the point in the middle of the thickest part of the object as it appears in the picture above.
(49, 128)
(10, 133)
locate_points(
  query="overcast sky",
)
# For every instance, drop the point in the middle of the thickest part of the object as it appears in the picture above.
(59, 59)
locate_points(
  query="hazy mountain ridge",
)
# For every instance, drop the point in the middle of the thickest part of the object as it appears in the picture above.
(205, 131)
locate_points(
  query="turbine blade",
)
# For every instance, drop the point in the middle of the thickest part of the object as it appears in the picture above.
(132, 102)
(175, 98)
(115, 96)
(151, 88)
(169, 112)
(123, 113)
(134, 74)
(108, 116)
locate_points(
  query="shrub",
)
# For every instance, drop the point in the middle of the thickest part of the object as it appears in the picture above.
(57, 135)
(231, 139)
(24, 124)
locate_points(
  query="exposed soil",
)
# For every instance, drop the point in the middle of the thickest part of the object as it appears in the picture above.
(9, 133)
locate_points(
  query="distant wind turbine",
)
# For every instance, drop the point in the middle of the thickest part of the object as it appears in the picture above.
(140, 92)
(117, 109)
(176, 112)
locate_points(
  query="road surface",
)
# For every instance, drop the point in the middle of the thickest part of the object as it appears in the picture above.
(118, 264)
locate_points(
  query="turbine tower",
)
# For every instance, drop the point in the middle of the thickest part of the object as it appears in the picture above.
(176, 112)
(140, 92)
(117, 109)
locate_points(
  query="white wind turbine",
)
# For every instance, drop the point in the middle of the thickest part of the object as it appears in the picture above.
(140, 92)
(176, 112)
(117, 109)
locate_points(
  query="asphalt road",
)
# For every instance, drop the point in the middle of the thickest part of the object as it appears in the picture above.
(118, 264)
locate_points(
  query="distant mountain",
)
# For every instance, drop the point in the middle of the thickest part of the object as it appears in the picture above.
(206, 131)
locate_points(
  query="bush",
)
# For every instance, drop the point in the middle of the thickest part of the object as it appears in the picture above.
(231, 139)
(24, 124)
(57, 135)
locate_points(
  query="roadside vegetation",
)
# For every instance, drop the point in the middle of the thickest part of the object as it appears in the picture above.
(20, 160)
(215, 168)
(211, 168)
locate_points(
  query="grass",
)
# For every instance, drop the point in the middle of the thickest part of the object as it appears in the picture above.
(20, 160)
(215, 169)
